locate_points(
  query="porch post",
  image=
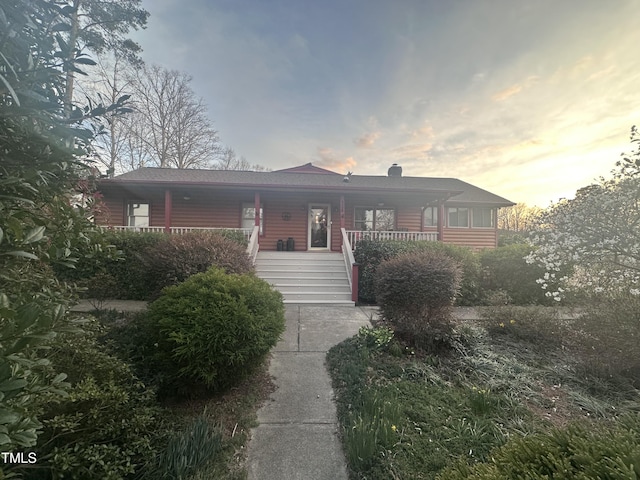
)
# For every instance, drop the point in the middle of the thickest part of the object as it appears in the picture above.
(441, 222)
(256, 205)
(168, 204)
(342, 221)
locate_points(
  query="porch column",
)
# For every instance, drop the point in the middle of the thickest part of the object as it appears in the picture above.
(168, 205)
(342, 220)
(256, 205)
(441, 222)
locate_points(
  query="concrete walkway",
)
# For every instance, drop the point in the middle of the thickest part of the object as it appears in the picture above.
(297, 436)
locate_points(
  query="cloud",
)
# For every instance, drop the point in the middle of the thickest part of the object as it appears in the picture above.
(367, 140)
(514, 89)
(330, 160)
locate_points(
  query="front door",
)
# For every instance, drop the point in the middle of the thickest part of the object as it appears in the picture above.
(319, 226)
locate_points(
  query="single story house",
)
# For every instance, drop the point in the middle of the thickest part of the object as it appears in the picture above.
(307, 204)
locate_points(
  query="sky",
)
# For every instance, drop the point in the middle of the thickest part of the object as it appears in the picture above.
(529, 99)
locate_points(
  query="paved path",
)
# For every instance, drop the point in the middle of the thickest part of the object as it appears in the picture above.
(297, 433)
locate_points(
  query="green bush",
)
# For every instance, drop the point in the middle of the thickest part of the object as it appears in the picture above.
(415, 293)
(109, 426)
(608, 338)
(369, 254)
(215, 328)
(504, 269)
(177, 257)
(581, 451)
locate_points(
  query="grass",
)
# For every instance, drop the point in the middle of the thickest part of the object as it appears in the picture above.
(508, 382)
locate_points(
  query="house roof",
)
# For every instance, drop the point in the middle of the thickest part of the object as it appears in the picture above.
(309, 177)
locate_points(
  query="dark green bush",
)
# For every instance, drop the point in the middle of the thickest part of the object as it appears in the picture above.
(215, 328)
(415, 293)
(504, 269)
(369, 254)
(109, 426)
(581, 451)
(177, 257)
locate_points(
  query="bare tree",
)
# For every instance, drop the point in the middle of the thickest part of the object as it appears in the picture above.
(229, 160)
(171, 123)
(518, 218)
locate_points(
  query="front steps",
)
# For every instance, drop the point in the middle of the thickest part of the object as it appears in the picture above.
(306, 277)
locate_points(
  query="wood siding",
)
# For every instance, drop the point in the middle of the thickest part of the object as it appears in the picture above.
(285, 214)
(476, 238)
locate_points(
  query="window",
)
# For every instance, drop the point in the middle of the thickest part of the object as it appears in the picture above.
(458, 217)
(375, 219)
(430, 217)
(482, 217)
(249, 216)
(138, 214)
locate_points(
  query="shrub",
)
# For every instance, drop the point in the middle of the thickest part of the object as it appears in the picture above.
(108, 426)
(369, 254)
(215, 328)
(608, 340)
(177, 257)
(415, 294)
(504, 269)
(579, 451)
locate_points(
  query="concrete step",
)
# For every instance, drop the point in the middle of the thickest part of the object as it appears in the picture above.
(314, 297)
(302, 280)
(311, 288)
(304, 277)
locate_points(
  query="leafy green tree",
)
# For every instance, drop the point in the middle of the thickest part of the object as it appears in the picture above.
(45, 202)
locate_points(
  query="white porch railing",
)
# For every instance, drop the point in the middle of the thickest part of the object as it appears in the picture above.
(347, 253)
(254, 246)
(356, 235)
(178, 230)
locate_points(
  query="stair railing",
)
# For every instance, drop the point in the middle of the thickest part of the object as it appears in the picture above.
(351, 265)
(254, 245)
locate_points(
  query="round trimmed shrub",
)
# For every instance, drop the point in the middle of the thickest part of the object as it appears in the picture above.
(177, 257)
(370, 253)
(214, 328)
(415, 293)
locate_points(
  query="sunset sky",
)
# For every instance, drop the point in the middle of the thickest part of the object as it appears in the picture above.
(527, 99)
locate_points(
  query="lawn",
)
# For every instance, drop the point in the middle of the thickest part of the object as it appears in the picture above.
(518, 372)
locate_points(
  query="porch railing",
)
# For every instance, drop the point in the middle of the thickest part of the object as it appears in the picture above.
(354, 236)
(179, 230)
(254, 246)
(350, 264)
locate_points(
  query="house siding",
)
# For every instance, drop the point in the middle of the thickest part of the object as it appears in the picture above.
(223, 209)
(477, 238)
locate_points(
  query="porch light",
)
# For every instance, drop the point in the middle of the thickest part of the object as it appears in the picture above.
(187, 197)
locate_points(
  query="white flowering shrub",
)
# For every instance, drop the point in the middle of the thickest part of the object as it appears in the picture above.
(597, 232)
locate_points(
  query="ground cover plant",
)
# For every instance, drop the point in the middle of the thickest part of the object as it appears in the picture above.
(506, 387)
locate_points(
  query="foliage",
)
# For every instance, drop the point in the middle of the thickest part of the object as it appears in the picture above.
(517, 218)
(215, 328)
(176, 257)
(371, 429)
(415, 293)
(538, 326)
(108, 426)
(505, 269)
(609, 339)
(580, 451)
(189, 450)
(375, 338)
(598, 231)
(45, 202)
(370, 253)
